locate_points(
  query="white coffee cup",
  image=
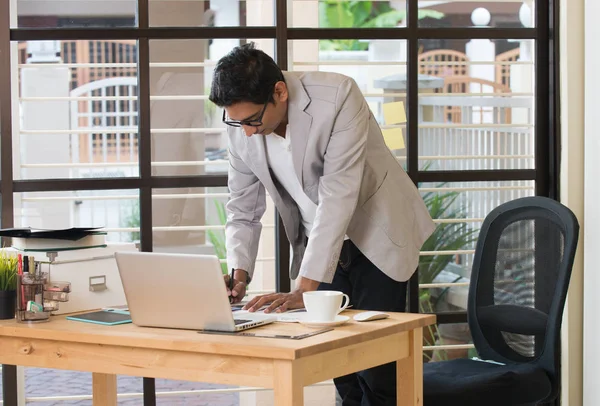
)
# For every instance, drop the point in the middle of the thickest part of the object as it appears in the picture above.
(324, 305)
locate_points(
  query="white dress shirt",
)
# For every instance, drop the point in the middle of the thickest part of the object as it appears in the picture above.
(279, 157)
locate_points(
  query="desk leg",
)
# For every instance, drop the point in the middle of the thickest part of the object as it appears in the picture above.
(9, 385)
(409, 372)
(104, 389)
(287, 384)
(149, 392)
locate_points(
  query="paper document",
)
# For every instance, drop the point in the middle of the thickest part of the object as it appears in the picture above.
(394, 113)
(394, 138)
(292, 315)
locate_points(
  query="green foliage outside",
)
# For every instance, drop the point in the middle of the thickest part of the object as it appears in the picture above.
(217, 237)
(132, 220)
(360, 14)
(447, 236)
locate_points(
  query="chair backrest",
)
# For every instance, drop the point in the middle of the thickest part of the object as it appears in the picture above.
(521, 272)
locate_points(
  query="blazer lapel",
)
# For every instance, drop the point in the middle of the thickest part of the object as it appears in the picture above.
(300, 121)
(257, 151)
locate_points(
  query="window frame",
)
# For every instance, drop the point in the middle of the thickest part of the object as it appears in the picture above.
(546, 121)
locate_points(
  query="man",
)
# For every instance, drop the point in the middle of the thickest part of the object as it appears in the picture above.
(355, 220)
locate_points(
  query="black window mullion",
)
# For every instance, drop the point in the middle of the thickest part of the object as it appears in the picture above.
(144, 145)
(144, 158)
(6, 145)
(9, 372)
(303, 33)
(554, 96)
(412, 149)
(542, 100)
(36, 34)
(282, 244)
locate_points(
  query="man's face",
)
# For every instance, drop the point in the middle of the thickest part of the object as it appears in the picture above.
(259, 118)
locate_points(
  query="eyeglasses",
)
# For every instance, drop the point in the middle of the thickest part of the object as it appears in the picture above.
(255, 122)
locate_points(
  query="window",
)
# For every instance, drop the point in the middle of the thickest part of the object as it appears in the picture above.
(107, 120)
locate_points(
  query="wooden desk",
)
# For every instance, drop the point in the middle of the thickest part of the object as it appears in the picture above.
(284, 365)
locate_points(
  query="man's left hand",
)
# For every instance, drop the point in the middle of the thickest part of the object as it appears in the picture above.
(281, 302)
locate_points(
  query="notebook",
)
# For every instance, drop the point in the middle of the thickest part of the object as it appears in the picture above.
(105, 317)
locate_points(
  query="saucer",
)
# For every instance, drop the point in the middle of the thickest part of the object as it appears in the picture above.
(338, 321)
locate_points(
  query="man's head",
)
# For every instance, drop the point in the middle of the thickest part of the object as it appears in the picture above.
(251, 88)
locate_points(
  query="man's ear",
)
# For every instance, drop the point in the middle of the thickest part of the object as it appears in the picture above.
(280, 92)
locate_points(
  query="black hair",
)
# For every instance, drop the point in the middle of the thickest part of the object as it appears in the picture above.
(245, 74)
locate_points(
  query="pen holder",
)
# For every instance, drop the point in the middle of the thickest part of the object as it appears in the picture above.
(55, 292)
(30, 298)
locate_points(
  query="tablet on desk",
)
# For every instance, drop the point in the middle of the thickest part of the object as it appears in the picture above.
(104, 317)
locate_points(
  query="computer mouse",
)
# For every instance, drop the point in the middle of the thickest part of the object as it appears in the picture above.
(370, 315)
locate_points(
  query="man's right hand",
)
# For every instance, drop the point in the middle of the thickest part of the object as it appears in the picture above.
(239, 286)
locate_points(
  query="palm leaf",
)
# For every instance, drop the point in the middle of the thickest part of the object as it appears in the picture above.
(446, 236)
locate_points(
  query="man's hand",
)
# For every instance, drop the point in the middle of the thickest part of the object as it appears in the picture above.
(280, 302)
(239, 286)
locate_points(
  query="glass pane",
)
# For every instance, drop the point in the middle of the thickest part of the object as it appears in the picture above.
(458, 208)
(113, 210)
(476, 104)
(78, 109)
(188, 136)
(347, 14)
(213, 13)
(482, 13)
(75, 14)
(376, 68)
(193, 221)
(439, 339)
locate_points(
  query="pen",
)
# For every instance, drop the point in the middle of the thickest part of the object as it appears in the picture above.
(25, 264)
(231, 285)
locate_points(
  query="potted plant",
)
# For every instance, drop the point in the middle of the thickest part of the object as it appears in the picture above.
(8, 285)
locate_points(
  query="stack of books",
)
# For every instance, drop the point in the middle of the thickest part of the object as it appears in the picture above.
(28, 239)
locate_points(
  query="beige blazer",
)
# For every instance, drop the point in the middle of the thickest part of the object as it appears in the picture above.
(345, 167)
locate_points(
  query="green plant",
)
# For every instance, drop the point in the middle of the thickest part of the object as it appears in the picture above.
(132, 220)
(360, 14)
(217, 237)
(447, 236)
(209, 109)
(8, 271)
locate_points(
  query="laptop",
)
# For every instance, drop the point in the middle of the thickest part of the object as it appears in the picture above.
(180, 291)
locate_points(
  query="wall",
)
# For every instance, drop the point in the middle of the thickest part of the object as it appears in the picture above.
(572, 176)
(591, 299)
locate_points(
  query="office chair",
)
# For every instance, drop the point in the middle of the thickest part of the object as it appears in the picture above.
(521, 271)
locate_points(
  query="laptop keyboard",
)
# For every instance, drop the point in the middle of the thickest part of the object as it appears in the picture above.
(241, 321)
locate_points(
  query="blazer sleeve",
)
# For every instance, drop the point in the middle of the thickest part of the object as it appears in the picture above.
(339, 186)
(245, 208)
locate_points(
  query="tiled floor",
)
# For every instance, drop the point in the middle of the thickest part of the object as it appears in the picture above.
(47, 382)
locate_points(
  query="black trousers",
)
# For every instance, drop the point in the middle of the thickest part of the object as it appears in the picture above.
(368, 289)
